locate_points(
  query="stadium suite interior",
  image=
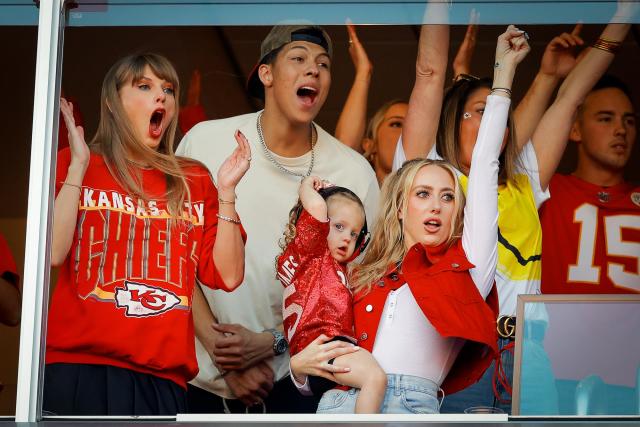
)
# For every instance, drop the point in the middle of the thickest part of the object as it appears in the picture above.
(225, 56)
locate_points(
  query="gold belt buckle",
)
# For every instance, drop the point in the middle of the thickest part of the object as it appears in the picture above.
(506, 327)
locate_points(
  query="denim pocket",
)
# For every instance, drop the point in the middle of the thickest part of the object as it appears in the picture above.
(333, 401)
(420, 402)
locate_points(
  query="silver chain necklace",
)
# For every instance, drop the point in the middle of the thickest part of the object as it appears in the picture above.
(267, 152)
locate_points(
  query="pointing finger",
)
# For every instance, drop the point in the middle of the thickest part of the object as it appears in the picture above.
(577, 29)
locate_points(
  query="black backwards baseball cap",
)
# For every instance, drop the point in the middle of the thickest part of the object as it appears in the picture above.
(279, 36)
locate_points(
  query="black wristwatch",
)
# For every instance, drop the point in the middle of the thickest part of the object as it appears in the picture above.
(280, 344)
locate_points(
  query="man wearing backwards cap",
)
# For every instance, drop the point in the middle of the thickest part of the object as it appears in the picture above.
(243, 359)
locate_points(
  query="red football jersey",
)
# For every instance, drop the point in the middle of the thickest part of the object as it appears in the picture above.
(316, 298)
(591, 238)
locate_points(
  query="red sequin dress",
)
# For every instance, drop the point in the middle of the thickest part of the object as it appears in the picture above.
(316, 299)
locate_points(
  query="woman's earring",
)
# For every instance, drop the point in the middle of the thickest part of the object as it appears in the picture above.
(466, 115)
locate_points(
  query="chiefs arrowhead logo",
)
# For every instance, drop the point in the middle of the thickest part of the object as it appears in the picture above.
(141, 300)
(635, 198)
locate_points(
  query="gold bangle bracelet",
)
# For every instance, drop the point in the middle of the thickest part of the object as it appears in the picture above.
(618, 42)
(606, 45)
(604, 48)
(226, 202)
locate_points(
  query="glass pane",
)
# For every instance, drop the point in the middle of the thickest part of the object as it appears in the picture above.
(18, 12)
(327, 12)
(222, 40)
(17, 73)
(584, 361)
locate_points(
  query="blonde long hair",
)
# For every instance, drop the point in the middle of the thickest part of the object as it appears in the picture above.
(116, 138)
(374, 125)
(387, 245)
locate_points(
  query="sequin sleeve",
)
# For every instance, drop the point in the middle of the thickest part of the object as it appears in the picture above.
(311, 235)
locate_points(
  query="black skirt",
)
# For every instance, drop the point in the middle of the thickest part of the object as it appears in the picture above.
(79, 389)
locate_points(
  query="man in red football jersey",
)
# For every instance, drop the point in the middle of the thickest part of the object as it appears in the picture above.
(591, 224)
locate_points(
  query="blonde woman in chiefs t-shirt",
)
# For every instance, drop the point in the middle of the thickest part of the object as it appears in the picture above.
(134, 228)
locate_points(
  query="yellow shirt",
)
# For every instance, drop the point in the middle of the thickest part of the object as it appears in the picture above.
(520, 233)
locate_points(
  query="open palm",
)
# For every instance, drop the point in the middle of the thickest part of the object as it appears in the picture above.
(357, 52)
(236, 165)
(79, 148)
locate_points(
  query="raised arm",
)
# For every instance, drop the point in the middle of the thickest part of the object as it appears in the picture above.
(480, 235)
(311, 200)
(425, 103)
(353, 118)
(558, 60)
(462, 61)
(550, 137)
(228, 249)
(65, 211)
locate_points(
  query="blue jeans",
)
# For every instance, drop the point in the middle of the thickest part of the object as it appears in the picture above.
(405, 394)
(481, 393)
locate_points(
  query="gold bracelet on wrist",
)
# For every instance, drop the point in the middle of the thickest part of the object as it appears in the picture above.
(72, 185)
(226, 202)
(228, 219)
(606, 45)
(616, 42)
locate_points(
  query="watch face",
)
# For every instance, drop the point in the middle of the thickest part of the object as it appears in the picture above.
(281, 346)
